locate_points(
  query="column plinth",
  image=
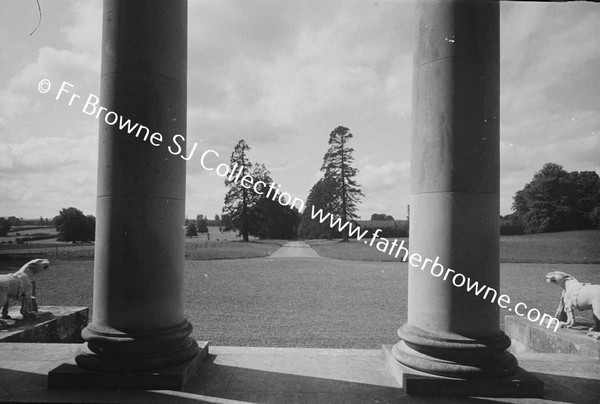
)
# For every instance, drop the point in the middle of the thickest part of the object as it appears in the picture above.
(452, 335)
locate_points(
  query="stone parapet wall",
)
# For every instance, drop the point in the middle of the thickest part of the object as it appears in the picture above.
(530, 337)
(54, 324)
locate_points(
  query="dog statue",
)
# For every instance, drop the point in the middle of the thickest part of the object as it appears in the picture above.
(576, 295)
(21, 287)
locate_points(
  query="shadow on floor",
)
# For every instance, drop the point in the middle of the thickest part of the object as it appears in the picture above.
(217, 383)
(569, 389)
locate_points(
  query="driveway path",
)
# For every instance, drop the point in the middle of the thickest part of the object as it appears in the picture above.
(295, 249)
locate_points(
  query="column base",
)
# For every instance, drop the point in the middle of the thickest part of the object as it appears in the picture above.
(73, 377)
(110, 350)
(519, 384)
(455, 356)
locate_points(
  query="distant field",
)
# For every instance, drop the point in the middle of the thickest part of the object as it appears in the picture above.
(575, 247)
(29, 230)
(195, 249)
(26, 229)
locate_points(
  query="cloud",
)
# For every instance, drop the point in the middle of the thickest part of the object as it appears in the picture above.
(376, 178)
(282, 75)
(43, 174)
(549, 92)
(78, 62)
(49, 150)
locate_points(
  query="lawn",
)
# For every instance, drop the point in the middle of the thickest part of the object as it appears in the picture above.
(354, 250)
(315, 302)
(218, 250)
(582, 247)
(302, 303)
(573, 247)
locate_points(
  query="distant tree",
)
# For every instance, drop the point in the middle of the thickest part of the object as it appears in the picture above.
(91, 227)
(272, 220)
(381, 216)
(510, 225)
(73, 225)
(338, 169)
(202, 225)
(217, 218)
(251, 212)
(238, 199)
(595, 217)
(268, 218)
(191, 230)
(14, 221)
(320, 197)
(587, 198)
(556, 200)
(4, 227)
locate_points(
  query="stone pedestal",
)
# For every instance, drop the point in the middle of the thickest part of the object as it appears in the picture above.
(53, 324)
(138, 323)
(455, 195)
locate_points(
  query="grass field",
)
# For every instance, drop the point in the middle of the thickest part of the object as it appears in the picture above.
(218, 250)
(195, 249)
(574, 247)
(314, 302)
(304, 303)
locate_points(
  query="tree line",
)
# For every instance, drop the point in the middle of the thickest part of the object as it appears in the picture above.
(253, 214)
(555, 200)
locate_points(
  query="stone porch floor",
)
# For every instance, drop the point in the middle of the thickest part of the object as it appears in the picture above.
(282, 375)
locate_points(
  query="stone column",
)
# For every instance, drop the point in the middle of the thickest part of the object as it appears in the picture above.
(138, 323)
(454, 203)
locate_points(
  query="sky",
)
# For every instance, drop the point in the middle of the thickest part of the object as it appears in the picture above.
(282, 75)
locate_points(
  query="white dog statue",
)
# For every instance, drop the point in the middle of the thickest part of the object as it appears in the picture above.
(20, 286)
(576, 295)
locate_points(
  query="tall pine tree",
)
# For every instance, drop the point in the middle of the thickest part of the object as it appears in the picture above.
(238, 199)
(337, 166)
(251, 211)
